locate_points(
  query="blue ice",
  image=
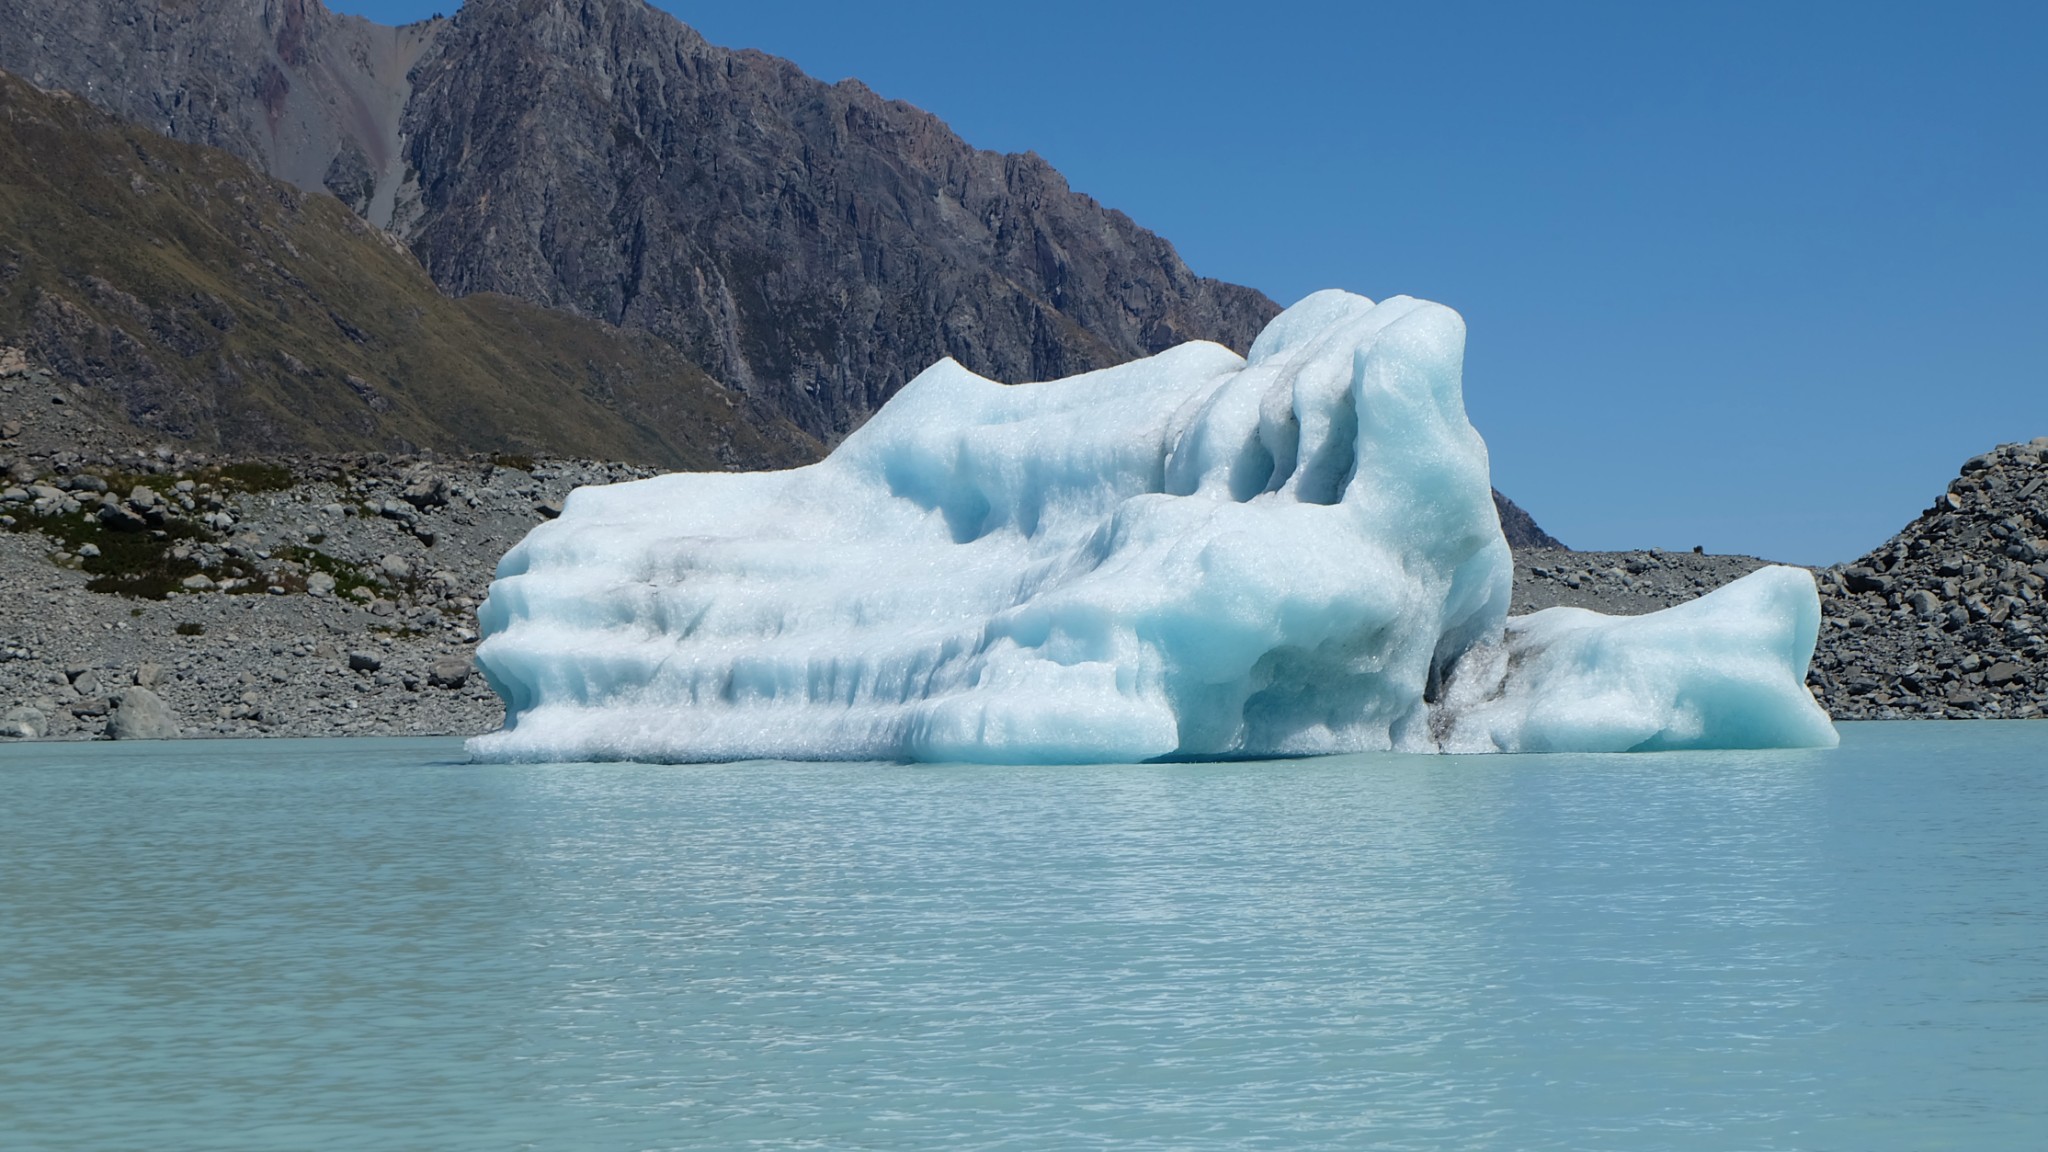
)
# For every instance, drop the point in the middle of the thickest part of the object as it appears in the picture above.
(1193, 555)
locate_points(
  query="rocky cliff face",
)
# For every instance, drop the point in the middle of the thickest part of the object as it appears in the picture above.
(812, 244)
(808, 241)
(307, 95)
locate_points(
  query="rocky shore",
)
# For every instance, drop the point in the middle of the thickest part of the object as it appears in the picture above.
(149, 593)
(145, 592)
(194, 600)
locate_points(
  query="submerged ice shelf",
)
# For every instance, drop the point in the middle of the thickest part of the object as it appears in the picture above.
(1194, 555)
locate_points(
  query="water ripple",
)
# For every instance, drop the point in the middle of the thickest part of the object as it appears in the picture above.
(371, 945)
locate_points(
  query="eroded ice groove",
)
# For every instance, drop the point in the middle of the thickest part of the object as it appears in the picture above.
(1194, 555)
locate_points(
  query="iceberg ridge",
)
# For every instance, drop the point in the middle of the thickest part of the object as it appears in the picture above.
(1194, 555)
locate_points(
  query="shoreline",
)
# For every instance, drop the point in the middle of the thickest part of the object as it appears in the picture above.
(320, 597)
(395, 658)
(338, 605)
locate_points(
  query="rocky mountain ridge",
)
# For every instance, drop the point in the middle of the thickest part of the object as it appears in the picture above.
(184, 296)
(207, 303)
(807, 241)
(814, 244)
(810, 244)
(310, 96)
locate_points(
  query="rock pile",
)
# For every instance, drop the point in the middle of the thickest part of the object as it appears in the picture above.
(1949, 617)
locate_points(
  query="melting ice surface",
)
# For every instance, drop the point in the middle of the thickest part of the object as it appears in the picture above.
(1194, 555)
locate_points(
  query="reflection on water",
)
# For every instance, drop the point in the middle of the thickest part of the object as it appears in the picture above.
(371, 944)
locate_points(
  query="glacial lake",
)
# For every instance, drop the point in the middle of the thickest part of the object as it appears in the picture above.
(372, 944)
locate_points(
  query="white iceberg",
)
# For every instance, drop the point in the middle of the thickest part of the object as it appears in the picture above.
(1727, 670)
(1195, 555)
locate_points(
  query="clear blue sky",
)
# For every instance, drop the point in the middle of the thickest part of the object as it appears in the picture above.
(1752, 276)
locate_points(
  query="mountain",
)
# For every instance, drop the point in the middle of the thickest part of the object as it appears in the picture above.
(809, 241)
(206, 302)
(1519, 527)
(811, 244)
(302, 93)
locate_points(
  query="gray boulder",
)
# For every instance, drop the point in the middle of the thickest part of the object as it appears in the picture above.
(427, 492)
(449, 672)
(140, 714)
(24, 723)
(120, 519)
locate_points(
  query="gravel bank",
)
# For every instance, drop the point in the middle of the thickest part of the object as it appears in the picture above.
(340, 604)
(1620, 583)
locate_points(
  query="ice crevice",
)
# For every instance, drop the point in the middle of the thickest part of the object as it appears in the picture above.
(1194, 555)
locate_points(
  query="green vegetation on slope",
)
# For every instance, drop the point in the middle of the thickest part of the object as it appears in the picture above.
(216, 306)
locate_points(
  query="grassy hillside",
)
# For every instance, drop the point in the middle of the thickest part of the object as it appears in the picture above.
(212, 305)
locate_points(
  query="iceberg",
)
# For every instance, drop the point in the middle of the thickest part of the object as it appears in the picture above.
(1196, 555)
(1727, 670)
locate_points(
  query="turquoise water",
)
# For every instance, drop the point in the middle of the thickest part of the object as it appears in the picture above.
(373, 945)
